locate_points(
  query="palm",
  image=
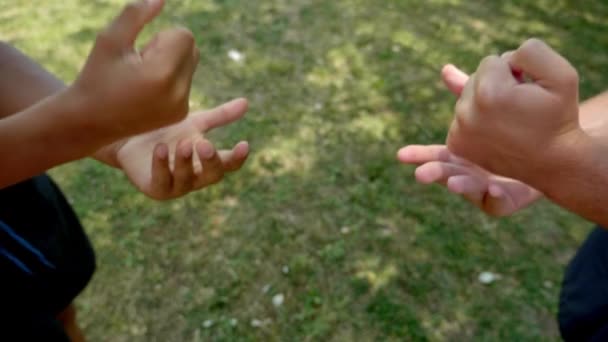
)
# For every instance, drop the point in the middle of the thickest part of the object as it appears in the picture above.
(135, 155)
(171, 161)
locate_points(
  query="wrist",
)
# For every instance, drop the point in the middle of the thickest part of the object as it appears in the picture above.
(564, 164)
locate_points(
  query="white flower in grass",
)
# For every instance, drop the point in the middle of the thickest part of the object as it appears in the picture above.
(236, 56)
(208, 323)
(487, 278)
(278, 300)
(256, 323)
(234, 322)
(285, 269)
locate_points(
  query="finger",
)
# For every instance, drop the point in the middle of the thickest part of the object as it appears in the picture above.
(123, 31)
(439, 172)
(454, 78)
(172, 50)
(472, 189)
(515, 71)
(492, 79)
(420, 154)
(183, 171)
(496, 202)
(188, 67)
(220, 116)
(161, 173)
(544, 65)
(213, 170)
(467, 185)
(233, 160)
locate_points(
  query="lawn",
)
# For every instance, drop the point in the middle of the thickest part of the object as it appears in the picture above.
(322, 216)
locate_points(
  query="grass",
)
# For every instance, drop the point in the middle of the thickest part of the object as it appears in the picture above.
(323, 213)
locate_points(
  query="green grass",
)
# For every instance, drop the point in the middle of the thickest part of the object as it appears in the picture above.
(322, 213)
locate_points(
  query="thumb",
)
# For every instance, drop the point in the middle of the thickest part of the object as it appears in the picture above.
(123, 31)
(544, 65)
(454, 78)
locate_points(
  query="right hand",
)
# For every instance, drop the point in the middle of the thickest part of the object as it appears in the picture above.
(495, 195)
(126, 91)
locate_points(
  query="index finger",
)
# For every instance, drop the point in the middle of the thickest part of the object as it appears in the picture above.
(420, 154)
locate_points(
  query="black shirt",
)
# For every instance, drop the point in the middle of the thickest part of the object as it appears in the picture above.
(46, 259)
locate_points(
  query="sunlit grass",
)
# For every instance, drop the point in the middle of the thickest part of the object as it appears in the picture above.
(336, 87)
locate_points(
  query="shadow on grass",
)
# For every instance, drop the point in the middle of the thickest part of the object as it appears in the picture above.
(335, 88)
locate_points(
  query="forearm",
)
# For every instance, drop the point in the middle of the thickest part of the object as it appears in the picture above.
(593, 118)
(24, 83)
(577, 179)
(45, 135)
(593, 115)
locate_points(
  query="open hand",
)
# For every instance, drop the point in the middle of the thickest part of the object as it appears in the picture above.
(172, 161)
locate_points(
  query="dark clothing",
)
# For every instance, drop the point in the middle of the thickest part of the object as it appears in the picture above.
(583, 305)
(46, 259)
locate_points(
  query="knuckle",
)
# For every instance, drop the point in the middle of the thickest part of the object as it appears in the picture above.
(532, 44)
(486, 98)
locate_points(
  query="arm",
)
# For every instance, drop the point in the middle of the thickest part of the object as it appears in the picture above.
(536, 131)
(593, 115)
(23, 82)
(139, 91)
(42, 136)
(34, 84)
(577, 178)
(495, 195)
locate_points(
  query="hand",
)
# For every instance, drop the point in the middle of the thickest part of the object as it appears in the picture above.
(514, 128)
(170, 162)
(495, 195)
(128, 92)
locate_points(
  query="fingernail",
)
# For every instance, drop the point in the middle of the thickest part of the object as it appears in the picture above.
(162, 152)
(205, 150)
(495, 191)
(187, 151)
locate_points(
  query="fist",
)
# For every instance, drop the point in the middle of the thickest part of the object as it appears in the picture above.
(125, 91)
(517, 111)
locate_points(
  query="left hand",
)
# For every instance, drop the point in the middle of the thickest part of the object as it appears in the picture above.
(495, 195)
(172, 161)
(514, 128)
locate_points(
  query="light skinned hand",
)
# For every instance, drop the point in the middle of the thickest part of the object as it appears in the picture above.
(495, 195)
(516, 128)
(173, 161)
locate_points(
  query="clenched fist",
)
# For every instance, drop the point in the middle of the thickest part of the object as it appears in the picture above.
(518, 112)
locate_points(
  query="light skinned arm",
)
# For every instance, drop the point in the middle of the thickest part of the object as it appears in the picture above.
(495, 195)
(532, 130)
